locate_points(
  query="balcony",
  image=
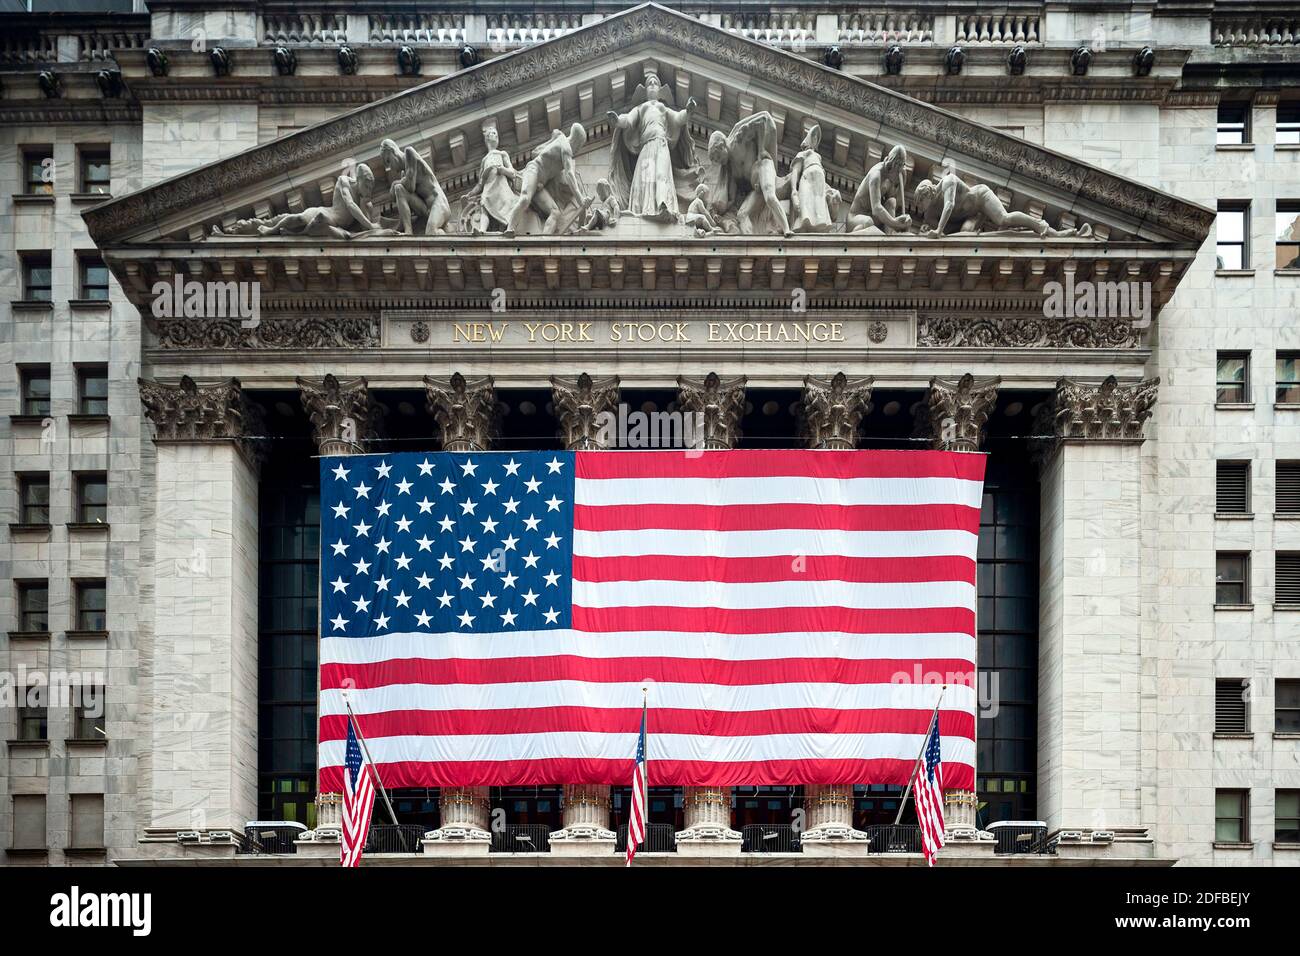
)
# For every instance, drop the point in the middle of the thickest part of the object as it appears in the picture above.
(522, 838)
(659, 838)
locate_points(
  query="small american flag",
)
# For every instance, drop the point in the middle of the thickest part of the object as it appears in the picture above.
(358, 801)
(928, 795)
(636, 824)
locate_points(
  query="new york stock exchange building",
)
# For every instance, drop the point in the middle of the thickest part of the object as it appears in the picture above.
(238, 237)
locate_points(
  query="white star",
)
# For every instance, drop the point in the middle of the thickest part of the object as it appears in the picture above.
(362, 490)
(512, 506)
(445, 562)
(339, 623)
(552, 616)
(466, 583)
(340, 473)
(447, 524)
(341, 510)
(425, 543)
(381, 622)
(530, 560)
(362, 605)
(553, 503)
(554, 465)
(403, 487)
(426, 506)
(403, 599)
(382, 508)
(403, 523)
(426, 468)
(489, 599)
(530, 597)
(489, 525)
(468, 467)
(444, 599)
(552, 540)
(340, 586)
(466, 619)
(422, 619)
(489, 563)
(533, 484)
(508, 618)
(424, 580)
(403, 562)
(509, 542)
(447, 486)
(339, 547)
(362, 529)
(512, 467)
(509, 581)
(381, 546)
(531, 523)
(382, 583)
(552, 579)
(467, 543)
(383, 468)
(490, 487)
(467, 507)
(362, 566)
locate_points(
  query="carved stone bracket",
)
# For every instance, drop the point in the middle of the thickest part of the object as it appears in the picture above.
(342, 414)
(579, 404)
(466, 412)
(187, 412)
(1106, 412)
(833, 410)
(959, 411)
(718, 405)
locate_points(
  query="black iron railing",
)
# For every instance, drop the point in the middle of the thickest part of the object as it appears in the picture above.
(390, 838)
(269, 839)
(770, 838)
(659, 838)
(522, 838)
(887, 838)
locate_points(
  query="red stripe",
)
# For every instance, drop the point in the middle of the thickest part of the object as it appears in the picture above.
(935, 517)
(677, 670)
(789, 462)
(814, 567)
(666, 773)
(596, 720)
(777, 620)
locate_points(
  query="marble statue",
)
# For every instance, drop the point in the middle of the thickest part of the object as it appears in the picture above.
(488, 205)
(814, 206)
(651, 156)
(879, 206)
(350, 215)
(698, 215)
(549, 185)
(746, 158)
(604, 212)
(952, 206)
(414, 190)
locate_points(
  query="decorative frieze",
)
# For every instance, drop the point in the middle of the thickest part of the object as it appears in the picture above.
(1108, 411)
(186, 412)
(718, 406)
(342, 414)
(1025, 332)
(833, 409)
(959, 411)
(296, 333)
(466, 412)
(578, 404)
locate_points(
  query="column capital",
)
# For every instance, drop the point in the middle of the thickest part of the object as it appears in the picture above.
(1103, 412)
(188, 412)
(342, 414)
(466, 411)
(719, 405)
(833, 409)
(579, 403)
(959, 410)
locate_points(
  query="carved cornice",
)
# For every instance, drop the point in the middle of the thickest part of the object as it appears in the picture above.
(1023, 332)
(1103, 412)
(959, 411)
(832, 410)
(186, 412)
(719, 406)
(342, 414)
(300, 332)
(422, 106)
(466, 412)
(579, 403)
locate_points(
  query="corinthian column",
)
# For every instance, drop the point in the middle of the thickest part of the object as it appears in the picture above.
(580, 403)
(467, 415)
(832, 411)
(342, 418)
(717, 407)
(959, 412)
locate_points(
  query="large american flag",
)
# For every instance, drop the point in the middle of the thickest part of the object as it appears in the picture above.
(358, 802)
(927, 794)
(495, 615)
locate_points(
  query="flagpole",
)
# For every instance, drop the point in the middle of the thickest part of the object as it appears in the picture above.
(374, 771)
(924, 741)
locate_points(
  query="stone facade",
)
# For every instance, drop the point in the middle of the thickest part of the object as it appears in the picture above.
(1130, 639)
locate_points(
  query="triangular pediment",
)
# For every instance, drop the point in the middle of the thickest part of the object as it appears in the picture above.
(577, 77)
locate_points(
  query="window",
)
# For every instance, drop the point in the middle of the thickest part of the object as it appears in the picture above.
(88, 713)
(1288, 488)
(94, 171)
(38, 171)
(29, 821)
(34, 499)
(1233, 488)
(1230, 236)
(1233, 123)
(37, 277)
(91, 605)
(1230, 578)
(1286, 707)
(1230, 816)
(33, 714)
(1288, 378)
(1288, 235)
(92, 498)
(35, 384)
(87, 821)
(1232, 705)
(92, 390)
(1286, 816)
(1287, 573)
(92, 278)
(1288, 123)
(33, 606)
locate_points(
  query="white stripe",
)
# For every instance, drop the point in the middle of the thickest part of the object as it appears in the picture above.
(761, 544)
(778, 490)
(769, 594)
(616, 644)
(568, 693)
(559, 745)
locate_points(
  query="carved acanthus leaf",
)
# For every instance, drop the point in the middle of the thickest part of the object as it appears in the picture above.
(718, 407)
(959, 411)
(1107, 411)
(187, 412)
(342, 413)
(833, 410)
(466, 412)
(579, 403)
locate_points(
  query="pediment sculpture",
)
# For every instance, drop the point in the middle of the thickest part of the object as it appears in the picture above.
(652, 166)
